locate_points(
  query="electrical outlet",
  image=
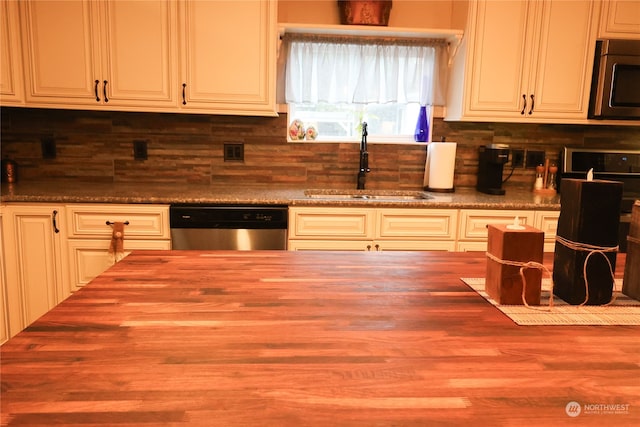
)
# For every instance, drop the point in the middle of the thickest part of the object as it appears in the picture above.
(139, 150)
(517, 158)
(48, 147)
(534, 158)
(234, 152)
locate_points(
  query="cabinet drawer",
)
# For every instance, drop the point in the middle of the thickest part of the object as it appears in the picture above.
(331, 224)
(330, 245)
(144, 221)
(434, 224)
(473, 223)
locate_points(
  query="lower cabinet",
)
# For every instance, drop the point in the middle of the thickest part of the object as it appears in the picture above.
(385, 229)
(50, 250)
(371, 229)
(473, 226)
(35, 266)
(90, 230)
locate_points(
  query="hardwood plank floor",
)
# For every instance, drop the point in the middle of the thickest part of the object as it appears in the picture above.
(309, 339)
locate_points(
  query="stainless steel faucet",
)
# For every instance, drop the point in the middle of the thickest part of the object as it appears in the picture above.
(364, 158)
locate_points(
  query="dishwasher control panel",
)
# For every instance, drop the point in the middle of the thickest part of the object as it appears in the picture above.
(242, 217)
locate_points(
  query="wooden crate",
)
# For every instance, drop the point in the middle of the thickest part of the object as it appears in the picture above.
(503, 282)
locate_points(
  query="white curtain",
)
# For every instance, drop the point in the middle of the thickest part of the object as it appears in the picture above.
(347, 70)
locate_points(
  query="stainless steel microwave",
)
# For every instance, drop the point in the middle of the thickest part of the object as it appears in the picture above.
(615, 86)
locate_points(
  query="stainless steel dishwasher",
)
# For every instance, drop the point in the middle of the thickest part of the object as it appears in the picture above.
(224, 227)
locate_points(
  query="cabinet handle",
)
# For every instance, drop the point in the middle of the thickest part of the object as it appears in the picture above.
(96, 90)
(111, 223)
(184, 94)
(104, 91)
(55, 226)
(524, 107)
(377, 247)
(532, 103)
(368, 247)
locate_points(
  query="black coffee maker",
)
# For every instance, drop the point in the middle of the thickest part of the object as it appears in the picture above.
(490, 163)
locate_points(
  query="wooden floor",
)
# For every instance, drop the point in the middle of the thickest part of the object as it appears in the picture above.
(309, 339)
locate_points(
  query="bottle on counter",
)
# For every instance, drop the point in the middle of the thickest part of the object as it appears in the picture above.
(551, 181)
(539, 182)
(9, 171)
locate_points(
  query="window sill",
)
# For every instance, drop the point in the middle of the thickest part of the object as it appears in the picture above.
(382, 141)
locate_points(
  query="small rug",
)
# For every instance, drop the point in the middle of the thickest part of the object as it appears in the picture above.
(623, 311)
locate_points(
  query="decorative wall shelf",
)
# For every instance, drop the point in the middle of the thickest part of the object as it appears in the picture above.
(451, 36)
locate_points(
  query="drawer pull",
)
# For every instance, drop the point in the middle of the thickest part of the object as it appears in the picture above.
(111, 223)
(55, 225)
(104, 91)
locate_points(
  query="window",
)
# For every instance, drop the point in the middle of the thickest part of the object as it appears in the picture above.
(333, 84)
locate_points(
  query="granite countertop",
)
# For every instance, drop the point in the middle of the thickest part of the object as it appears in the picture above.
(169, 193)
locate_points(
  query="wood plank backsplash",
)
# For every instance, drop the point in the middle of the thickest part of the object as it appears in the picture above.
(188, 148)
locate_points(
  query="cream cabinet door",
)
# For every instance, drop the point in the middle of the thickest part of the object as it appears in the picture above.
(139, 60)
(5, 317)
(35, 262)
(11, 79)
(499, 43)
(88, 258)
(620, 19)
(61, 52)
(100, 53)
(228, 56)
(560, 82)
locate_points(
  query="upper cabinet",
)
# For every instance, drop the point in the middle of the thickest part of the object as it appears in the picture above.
(200, 56)
(100, 53)
(620, 19)
(228, 56)
(11, 82)
(525, 61)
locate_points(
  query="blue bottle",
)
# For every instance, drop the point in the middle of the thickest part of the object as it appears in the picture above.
(422, 127)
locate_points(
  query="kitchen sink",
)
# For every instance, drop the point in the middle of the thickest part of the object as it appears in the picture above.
(367, 195)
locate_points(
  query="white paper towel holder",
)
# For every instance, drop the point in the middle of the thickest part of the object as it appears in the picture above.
(445, 173)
